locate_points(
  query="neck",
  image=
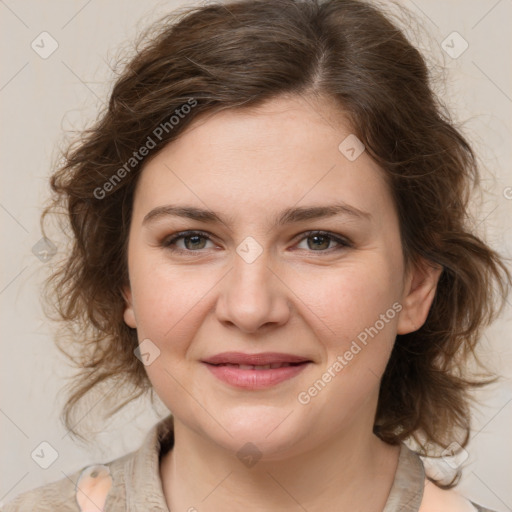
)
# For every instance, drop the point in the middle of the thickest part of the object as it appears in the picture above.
(349, 469)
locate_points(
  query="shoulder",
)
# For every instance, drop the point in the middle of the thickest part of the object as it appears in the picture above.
(99, 486)
(436, 499)
(59, 495)
(73, 493)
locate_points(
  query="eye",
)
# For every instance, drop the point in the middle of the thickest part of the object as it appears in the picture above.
(192, 241)
(196, 241)
(321, 241)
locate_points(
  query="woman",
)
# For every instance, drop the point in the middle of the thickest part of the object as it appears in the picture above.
(270, 231)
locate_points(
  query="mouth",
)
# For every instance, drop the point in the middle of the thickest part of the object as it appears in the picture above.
(262, 359)
(255, 371)
(271, 366)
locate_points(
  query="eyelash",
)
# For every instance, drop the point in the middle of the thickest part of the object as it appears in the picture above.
(168, 242)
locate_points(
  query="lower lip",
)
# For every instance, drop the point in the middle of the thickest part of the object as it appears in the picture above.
(255, 379)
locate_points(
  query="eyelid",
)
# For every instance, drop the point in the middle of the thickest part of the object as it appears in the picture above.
(166, 242)
(342, 241)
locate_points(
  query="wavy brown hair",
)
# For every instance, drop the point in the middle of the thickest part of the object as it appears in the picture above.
(240, 54)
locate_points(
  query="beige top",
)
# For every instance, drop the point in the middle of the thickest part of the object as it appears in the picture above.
(132, 483)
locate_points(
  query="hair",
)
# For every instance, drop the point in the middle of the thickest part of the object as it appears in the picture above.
(238, 55)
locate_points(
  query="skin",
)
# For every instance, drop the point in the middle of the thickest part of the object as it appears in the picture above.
(248, 166)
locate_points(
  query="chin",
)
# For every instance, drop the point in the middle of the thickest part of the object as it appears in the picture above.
(271, 432)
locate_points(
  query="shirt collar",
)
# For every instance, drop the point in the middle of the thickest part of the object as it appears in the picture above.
(143, 483)
(144, 486)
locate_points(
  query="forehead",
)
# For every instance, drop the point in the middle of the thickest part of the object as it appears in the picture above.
(246, 161)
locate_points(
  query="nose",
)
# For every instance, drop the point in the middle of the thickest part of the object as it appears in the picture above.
(253, 297)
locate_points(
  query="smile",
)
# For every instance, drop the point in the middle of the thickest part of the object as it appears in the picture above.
(271, 366)
(253, 377)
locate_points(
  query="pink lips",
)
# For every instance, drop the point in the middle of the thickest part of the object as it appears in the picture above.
(255, 371)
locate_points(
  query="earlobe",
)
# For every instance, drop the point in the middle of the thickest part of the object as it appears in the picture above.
(419, 292)
(129, 313)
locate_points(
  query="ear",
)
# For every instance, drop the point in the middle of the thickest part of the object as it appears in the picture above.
(419, 291)
(129, 313)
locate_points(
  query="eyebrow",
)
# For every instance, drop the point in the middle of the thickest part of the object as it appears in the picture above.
(288, 216)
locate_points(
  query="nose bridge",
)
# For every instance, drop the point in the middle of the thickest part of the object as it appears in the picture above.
(251, 272)
(251, 296)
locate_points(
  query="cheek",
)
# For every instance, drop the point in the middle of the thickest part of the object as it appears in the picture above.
(170, 310)
(354, 313)
(348, 301)
(168, 298)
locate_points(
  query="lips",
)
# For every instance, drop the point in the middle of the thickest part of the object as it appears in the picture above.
(255, 371)
(256, 377)
(271, 366)
(261, 361)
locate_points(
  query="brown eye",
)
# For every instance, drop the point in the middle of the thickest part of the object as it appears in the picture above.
(319, 241)
(192, 241)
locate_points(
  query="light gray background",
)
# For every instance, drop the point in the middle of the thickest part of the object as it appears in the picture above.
(42, 98)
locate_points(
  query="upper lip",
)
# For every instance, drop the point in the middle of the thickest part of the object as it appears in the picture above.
(263, 358)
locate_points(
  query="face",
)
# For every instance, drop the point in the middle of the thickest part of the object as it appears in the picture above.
(298, 253)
